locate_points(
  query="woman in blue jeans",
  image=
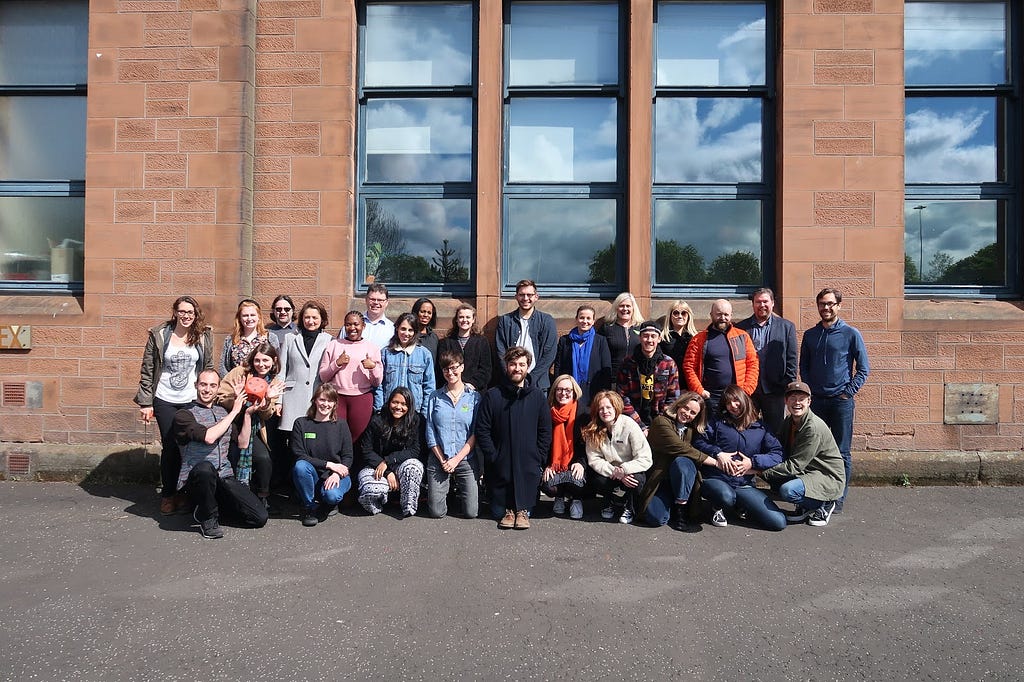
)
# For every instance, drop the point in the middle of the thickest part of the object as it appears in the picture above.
(322, 445)
(451, 417)
(740, 447)
(673, 485)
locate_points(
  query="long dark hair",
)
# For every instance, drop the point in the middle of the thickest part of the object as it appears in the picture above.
(395, 343)
(416, 313)
(400, 430)
(195, 332)
(326, 391)
(263, 349)
(748, 413)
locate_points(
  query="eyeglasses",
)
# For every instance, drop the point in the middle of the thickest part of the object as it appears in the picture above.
(451, 369)
(565, 390)
(827, 304)
(377, 300)
(282, 310)
(185, 313)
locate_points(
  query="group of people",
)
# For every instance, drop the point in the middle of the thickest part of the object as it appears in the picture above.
(665, 423)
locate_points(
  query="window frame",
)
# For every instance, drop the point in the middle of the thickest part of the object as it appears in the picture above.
(367, 191)
(64, 188)
(617, 190)
(763, 190)
(1008, 190)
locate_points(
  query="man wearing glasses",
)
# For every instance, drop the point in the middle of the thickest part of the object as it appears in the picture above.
(531, 329)
(379, 329)
(834, 363)
(282, 312)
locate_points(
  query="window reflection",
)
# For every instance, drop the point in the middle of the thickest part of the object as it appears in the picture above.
(707, 140)
(710, 44)
(43, 42)
(419, 140)
(561, 241)
(418, 240)
(562, 140)
(418, 44)
(41, 238)
(29, 147)
(707, 242)
(563, 44)
(955, 242)
(952, 139)
(955, 43)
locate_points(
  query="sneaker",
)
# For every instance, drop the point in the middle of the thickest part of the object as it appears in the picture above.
(325, 511)
(821, 515)
(308, 517)
(210, 529)
(508, 520)
(718, 519)
(684, 525)
(608, 513)
(627, 516)
(522, 520)
(576, 509)
(558, 508)
(798, 515)
(839, 507)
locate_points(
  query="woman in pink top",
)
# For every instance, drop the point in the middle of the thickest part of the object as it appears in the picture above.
(353, 367)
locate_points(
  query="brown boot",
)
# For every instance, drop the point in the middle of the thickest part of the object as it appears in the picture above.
(182, 504)
(168, 505)
(508, 520)
(522, 520)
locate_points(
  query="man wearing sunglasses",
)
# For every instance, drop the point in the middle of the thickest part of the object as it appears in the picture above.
(282, 312)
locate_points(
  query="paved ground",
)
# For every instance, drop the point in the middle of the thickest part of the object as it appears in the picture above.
(916, 583)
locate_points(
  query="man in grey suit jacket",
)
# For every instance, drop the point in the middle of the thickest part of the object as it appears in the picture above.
(775, 340)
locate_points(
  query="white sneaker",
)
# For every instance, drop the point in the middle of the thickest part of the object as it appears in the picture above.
(718, 519)
(820, 516)
(558, 508)
(576, 509)
(608, 513)
(627, 516)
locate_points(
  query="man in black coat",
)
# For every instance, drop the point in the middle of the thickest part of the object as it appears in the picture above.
(513, 433)
(775, 340)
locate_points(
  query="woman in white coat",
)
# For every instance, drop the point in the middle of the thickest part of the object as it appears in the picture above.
(300, 363)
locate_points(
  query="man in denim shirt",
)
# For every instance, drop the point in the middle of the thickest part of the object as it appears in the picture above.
(834, 363)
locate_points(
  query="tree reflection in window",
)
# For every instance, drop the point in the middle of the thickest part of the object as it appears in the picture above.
(388, 258)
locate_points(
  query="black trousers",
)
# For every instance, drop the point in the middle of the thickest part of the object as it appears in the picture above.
(216, 496)
(170, 455)
(614, 491)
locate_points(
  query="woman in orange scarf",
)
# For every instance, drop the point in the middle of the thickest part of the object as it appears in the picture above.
(564, 476)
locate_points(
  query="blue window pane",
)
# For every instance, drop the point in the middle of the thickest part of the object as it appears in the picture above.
(42, 238)
(955, 43)
(563, 44)
(419, 140)
(418, 44)
(42, 138)
(707, 242)
(953, 139)
(955, 242)
(43, 42)
(562, 140)
(707, 140)
(710, 44)
(561, 241)
(422, 240)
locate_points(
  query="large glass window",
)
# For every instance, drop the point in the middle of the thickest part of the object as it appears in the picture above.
(711, 183)
(416, 122)
(563, 190)
(43, 51)
(962, 207)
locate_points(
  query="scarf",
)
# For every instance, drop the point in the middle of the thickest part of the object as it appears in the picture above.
(563, 421)
(581, 346)
(309, 338)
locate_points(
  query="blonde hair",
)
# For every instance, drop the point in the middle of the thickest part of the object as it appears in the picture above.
(261, 330)
(613, 315)
(577, 392)
(666, 326)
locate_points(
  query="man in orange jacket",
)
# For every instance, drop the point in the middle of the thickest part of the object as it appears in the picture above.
(719, 356)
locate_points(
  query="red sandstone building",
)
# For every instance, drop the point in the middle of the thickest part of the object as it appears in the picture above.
(231, 148)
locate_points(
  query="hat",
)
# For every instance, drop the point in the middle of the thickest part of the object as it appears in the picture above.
(798, 387)
(648, 326)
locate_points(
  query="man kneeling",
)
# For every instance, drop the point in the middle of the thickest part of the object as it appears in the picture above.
(204, 432)
(812, 476)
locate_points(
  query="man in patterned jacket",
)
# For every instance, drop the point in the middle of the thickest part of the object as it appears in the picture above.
(648, 380)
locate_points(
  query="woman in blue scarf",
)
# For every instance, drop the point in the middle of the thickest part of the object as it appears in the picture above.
(584, 355)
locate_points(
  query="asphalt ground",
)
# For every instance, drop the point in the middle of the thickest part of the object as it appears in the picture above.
(907, 584)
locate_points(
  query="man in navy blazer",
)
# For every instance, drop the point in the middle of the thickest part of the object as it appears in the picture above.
(775, 340)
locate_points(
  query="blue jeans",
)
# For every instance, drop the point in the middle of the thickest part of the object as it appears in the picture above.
(759, 507)
(794, 491)
(838, 414)
(682, 473)
(308, 485)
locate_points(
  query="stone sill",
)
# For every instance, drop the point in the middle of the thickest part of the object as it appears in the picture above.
(962, 315)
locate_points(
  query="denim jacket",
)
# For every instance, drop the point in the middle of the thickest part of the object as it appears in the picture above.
(413, 370)
(450, 425)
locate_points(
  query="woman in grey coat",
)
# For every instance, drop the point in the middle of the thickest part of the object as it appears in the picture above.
(300, 362)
